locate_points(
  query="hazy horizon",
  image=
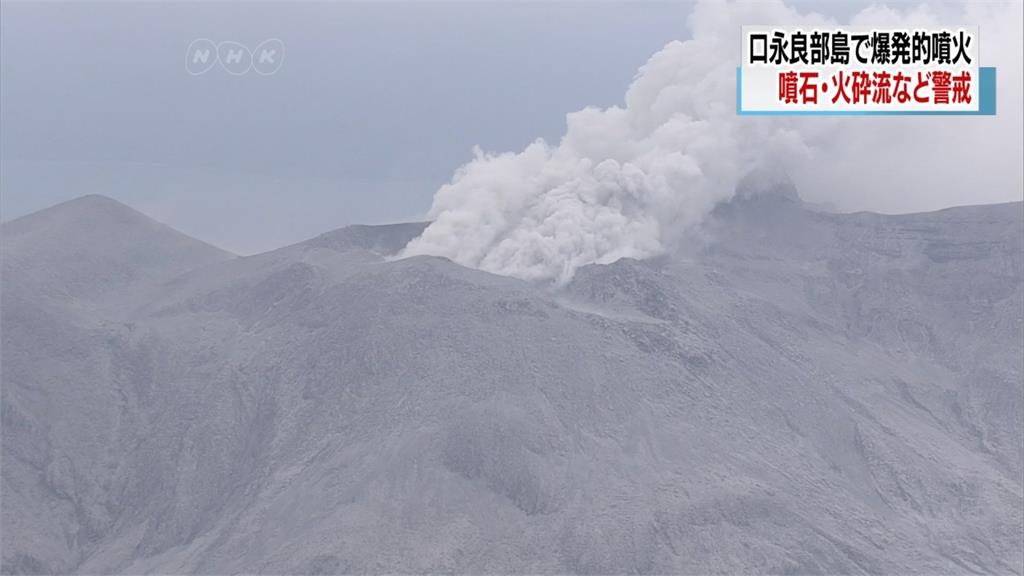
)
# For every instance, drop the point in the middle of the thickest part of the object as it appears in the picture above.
(374, 108)
(383, 223)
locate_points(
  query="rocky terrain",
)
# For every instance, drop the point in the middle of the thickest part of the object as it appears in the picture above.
(794, 392)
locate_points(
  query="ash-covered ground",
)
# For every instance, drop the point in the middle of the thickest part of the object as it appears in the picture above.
(802, 392)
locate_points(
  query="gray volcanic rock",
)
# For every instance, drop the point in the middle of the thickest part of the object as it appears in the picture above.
(808, 393)
(91, 246)
(385, 239)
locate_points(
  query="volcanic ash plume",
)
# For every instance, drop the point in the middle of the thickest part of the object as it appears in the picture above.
(630, 181)
(619, 184)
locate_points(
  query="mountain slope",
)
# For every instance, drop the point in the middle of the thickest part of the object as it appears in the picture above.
(92, 246)
(806, 393)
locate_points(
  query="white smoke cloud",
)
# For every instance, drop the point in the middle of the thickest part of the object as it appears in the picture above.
(629, 181)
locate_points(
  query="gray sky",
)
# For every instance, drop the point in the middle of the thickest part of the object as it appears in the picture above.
(373, 108)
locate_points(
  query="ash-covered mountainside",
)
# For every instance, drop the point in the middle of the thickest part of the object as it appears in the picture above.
(801, 393)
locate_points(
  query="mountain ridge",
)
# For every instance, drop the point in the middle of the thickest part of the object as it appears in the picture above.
(808, 393)
(95, 247)
(365, 235)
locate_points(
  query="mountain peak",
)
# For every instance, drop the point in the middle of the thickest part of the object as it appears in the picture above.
(98, 200)
(98, 244)
(88, 207)
(385, 239)
(767, 183)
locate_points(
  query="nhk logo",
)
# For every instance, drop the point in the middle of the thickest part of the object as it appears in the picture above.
(234, 58)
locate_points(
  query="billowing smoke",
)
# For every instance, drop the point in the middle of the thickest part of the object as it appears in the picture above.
(630, 181)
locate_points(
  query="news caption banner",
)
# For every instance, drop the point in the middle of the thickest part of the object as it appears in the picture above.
(863, 71)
